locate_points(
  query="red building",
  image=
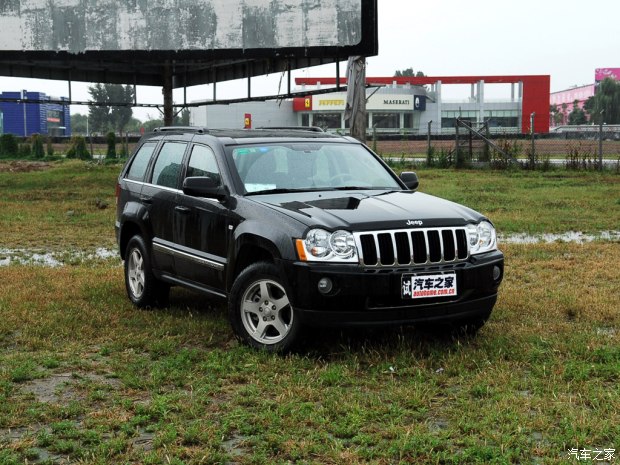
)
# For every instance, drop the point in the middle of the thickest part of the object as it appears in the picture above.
(529, 99)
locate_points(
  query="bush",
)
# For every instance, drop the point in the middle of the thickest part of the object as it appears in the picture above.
(430, 157)
(25, 150)
(9, 145)
(49, 148)
(36, 142)
(111, 139)
(78, 148)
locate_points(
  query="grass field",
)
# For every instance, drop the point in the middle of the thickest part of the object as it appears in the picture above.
(87, 378)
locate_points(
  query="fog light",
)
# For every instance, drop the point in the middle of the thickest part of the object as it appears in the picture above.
(497, 273)
(325, 285)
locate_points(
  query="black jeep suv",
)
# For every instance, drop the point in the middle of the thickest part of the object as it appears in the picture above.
(298, 228)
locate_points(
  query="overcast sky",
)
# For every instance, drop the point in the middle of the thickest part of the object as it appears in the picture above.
(566, 39)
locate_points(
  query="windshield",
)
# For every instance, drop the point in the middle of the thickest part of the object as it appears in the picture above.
(307, 166)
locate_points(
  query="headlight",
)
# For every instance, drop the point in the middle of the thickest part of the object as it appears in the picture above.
(321, 245)
(481, 237)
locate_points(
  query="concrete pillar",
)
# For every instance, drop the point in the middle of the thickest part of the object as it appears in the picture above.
(481, 101)
(439, 104)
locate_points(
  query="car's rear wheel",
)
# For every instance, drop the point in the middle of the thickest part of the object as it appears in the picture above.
(143, 289)
(260, 311)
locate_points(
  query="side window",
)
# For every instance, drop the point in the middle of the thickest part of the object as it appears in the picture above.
(168, 164)
(140, 162)
(202, 163)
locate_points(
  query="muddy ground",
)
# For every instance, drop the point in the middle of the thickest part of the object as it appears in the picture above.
(23, 166)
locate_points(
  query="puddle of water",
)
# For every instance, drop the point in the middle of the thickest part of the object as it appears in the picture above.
(570, 236)
(62, 388)
(235, 446)
(144, 441)
(56, 259)
(53, 259)
(609, 332)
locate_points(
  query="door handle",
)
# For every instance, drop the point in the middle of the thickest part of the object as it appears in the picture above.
(181, 209)
(145, 199)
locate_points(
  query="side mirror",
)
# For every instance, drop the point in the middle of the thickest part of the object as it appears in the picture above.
(203, 186)
(410, 179)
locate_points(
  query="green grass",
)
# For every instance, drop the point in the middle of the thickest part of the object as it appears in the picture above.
(532, 202)
(57, 208)
(87, 378)
(85, 375)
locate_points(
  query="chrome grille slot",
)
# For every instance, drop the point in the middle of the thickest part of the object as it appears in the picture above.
(408, 247)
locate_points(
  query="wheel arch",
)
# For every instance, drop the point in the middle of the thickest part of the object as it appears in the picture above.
(128, 230)
(249, 249)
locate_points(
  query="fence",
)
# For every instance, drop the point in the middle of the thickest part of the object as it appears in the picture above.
(592, 147)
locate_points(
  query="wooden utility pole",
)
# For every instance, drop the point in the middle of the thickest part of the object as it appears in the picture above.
(167, 91)
(355, 110)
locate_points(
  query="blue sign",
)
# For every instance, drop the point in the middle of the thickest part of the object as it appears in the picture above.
(419, 102)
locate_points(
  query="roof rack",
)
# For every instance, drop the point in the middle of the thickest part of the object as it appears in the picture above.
(197, 129)
(294, 128)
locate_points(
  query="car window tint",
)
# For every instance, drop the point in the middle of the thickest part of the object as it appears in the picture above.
(202, 162)
(141, 161)
(168, 164)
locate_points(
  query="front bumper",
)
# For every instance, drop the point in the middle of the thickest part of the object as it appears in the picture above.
(373, 297)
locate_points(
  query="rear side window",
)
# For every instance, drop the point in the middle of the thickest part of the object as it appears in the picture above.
(141, 161)
(168, 164)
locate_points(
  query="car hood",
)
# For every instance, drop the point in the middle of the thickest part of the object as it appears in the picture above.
(370, 210)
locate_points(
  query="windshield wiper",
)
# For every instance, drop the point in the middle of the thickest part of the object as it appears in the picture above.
(282, 190)
(351, 188)
(389, 191)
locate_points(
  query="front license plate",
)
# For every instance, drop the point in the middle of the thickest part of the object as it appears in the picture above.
(428, 285)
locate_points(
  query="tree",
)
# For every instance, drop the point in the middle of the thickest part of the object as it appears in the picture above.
(556, 115)
(577, 116)
(134, 125)
(79, 123)
(111, 141)
(605, 105)
(563, 113)
(105, 116)
(182, 119)
(99, 114)
(408, 73)
(120, 115)
(9, 145)
(38, 151)
(151, 124)
(78, 148)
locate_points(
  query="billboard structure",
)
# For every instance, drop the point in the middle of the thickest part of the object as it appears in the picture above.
(180, 43)
(602, 73)
(202, 41)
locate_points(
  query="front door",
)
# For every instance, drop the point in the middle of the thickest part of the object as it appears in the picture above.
(200, 228)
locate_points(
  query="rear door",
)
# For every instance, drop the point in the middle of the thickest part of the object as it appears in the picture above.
(160, 194)
(129, 205)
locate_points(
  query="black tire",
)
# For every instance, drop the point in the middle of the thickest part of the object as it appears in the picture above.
(259, 309)
(143, 289)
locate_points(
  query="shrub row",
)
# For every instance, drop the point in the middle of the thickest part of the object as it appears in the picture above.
(38, 146)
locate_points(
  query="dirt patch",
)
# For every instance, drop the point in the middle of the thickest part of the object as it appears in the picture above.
(62, 388)
(22, 166)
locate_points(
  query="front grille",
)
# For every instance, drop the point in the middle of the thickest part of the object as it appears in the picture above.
(406, 247)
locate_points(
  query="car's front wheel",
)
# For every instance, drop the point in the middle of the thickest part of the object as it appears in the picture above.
(260, 311)
(143, 289)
